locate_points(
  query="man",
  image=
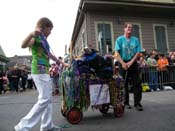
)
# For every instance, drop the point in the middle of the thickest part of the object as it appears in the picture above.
(127, 49)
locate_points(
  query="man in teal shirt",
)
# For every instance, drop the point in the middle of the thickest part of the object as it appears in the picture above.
(127, 49)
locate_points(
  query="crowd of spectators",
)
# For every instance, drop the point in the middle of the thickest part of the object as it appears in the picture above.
(154, 65)
(15, 80)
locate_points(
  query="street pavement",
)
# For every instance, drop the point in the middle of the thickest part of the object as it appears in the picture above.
(158, 114)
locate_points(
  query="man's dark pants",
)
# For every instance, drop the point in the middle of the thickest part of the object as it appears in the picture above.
(132, 74)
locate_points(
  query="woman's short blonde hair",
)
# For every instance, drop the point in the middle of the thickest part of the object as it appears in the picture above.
(44, 22)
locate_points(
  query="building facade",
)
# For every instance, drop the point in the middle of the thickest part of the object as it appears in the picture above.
(100, 22)
(3, 60)
(19, 62)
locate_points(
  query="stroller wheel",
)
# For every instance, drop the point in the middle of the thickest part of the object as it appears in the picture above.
(119, 110)
(74, 115)
(104, 108)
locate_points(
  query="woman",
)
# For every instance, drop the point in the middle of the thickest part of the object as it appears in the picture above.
(37, 42)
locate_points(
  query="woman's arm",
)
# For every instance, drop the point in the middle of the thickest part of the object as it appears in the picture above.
(58, 60)
(29, 40)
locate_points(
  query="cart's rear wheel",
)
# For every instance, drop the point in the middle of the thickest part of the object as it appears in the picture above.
(119, 110)
(74, 115)
(104, 108)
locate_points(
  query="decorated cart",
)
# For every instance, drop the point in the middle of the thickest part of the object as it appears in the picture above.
(90, 82)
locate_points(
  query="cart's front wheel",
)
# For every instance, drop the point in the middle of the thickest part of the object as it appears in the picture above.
(119, 110)
(104, 108)
(74, 115)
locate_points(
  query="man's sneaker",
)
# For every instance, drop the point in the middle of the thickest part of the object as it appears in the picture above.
(139, 107)
(56, 128)
(128, 106)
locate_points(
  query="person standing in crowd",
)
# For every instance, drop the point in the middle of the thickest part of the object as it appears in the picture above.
(29, 81)
(127, 50)
(142, 62)
(162, 62)
(54, 74)
(2, 82)
(24, 80)
(162, 67)
(10, 80)
(155, 53)
(42, 110)
(153, 74)
(171, 58)
(15, 79)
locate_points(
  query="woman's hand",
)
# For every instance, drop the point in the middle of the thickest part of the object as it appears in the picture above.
(37, 32)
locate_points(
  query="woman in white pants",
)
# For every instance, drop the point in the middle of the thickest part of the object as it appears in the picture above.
(42, 110)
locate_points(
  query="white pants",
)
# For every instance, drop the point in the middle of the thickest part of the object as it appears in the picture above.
(42, 110)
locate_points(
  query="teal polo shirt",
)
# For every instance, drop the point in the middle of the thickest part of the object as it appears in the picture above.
(127, 48)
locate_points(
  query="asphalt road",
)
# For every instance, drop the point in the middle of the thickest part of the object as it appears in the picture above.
(158, 114)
